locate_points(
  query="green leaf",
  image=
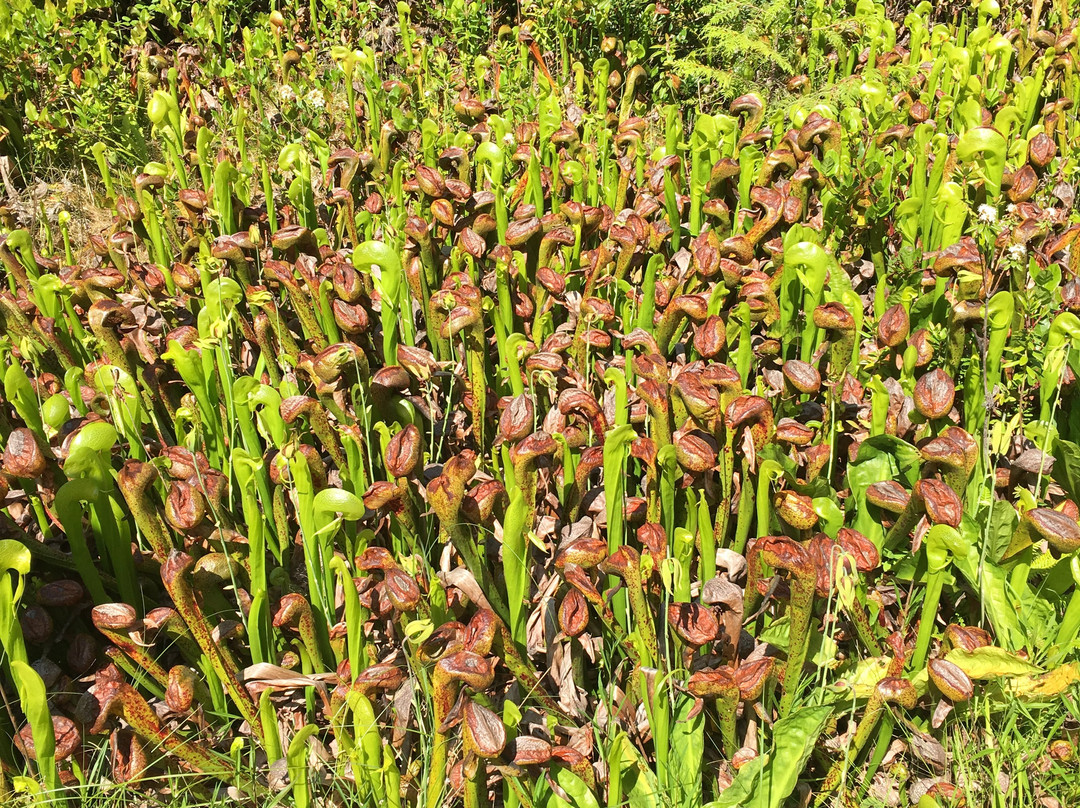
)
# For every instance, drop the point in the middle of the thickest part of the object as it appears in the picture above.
(296, 760)
(863, 678)
(768, 780)
(35, 704)
(822, 650)
(1067, 466)
(906, 456)
(19, 391)
(991, 582)
(515, 563)
(830, 514)
(688, 751)
(1002, 524)
(874, 467)
(640, 788)
(14, 557)
(1044, 686)
(990, 662)
(576, 790)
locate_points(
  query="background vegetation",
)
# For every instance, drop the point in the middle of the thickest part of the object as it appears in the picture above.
(539, 404)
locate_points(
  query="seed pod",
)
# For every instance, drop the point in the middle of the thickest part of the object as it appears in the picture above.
(22, 455)
(65, 731)
(1057, 529)
(801, 376)
(752, 675)
(485, 733)
(480, 503)
(480, 633)
(951, 680)
(943, 506)
(517, 420)
(180, 692)
(37, 625)
(896, 690)
(573, 613)
(894, 326)
(1062, 751)
(695, 625)
(81, 653)
(520, 231)
(710, 337)
(888, 495)
(404, 452)
(401, 589)
(967, 638)
(530, 751)
(695, 451)
(379, 677)
(64, 594)
(585, 553)
(788, 430)
(185, 507)
(701, 399)
(375, 558)
(1041, 150)
(711, 684)
(834, 316)
(796, 509)
(115, 617)
(934, 394)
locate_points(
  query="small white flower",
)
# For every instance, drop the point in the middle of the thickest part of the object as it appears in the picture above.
(508, 139)
(286, 93)
(1017, 252)
(315, 98)
(1010, 209)
(987, 214)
